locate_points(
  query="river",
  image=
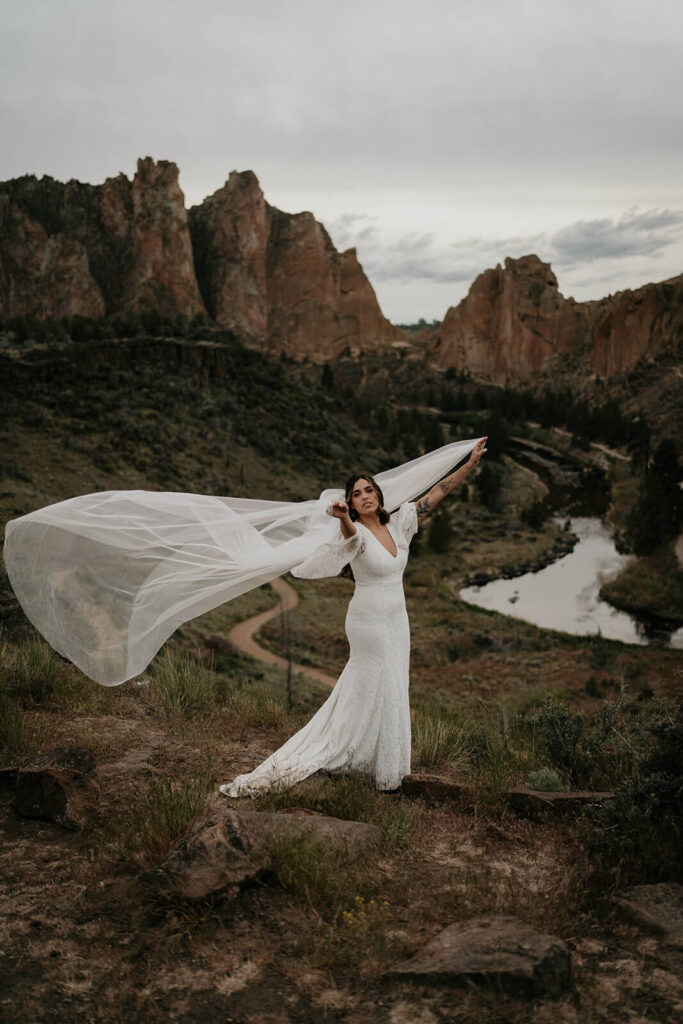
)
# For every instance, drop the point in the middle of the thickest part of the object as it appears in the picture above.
(566, 594)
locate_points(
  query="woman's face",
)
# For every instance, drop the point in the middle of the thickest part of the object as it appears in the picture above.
(364, 498)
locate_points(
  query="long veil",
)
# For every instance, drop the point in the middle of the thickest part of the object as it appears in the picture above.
(108, 577)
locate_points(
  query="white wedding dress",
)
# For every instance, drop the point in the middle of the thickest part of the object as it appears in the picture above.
(365, 722)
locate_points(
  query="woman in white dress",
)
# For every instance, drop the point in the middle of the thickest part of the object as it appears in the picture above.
(364, 725)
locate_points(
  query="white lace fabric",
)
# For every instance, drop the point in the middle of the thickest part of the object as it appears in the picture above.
(108, 577)
(365, 722)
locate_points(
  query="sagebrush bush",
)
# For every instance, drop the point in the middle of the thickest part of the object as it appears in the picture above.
(638, 837)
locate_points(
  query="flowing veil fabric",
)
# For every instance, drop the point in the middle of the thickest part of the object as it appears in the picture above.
(108, 577)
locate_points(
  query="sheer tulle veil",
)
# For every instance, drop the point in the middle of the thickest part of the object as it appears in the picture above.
(108, 577)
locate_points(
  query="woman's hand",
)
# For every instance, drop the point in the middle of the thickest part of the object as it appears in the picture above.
(339, 509)
(477, 452)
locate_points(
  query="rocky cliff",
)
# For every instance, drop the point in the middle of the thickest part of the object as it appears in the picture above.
(123, 246)
(632, 324)
(514, 322)
(277, 279)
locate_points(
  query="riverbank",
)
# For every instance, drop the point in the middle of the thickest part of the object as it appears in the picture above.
(650, 587)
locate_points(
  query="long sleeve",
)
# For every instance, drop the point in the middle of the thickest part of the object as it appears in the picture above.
(329, 559)
(407, 520)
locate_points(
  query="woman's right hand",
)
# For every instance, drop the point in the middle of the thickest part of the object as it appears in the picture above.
(339, 509)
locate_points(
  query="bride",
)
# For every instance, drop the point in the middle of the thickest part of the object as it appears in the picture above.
(108, 577)
(365, 722)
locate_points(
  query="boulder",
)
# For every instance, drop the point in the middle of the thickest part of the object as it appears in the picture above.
(657, 908)
(60, 786)
(230, 851)
(493, 952)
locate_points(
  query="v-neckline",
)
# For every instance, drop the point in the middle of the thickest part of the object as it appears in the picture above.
(380, 542)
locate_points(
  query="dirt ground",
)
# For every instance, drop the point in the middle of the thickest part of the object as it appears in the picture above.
(82, 942)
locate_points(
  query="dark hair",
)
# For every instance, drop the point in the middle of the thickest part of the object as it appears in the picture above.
(382, 513)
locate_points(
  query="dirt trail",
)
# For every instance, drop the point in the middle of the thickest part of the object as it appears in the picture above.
(242, 635)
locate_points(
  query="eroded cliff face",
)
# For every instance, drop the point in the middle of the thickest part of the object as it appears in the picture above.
(48, 275)
(274, 279)
(230, 233)
(633, 324)
(512, 323)
(130, 239)
(277, 279)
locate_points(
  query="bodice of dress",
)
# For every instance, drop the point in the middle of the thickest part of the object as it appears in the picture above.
(374, 564)
(369, 559)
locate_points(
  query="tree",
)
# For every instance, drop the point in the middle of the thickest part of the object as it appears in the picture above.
(489, 483)
(440, 532)
(657, 514)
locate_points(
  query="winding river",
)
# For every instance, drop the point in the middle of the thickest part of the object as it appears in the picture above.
(566, 594)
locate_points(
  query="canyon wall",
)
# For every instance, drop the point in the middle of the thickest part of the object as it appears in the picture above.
(274, 279)
(514, 323)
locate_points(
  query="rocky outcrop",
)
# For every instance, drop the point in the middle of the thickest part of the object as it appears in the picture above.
(512, 323)
(274, 279)
(320, 303)
(123, 246)
(47, 275)
(230, 233)
(277, 280)
(633, 324)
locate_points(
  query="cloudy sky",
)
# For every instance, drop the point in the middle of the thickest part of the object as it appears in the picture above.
(437, 137)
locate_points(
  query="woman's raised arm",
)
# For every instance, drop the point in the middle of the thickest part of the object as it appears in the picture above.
(439, 491)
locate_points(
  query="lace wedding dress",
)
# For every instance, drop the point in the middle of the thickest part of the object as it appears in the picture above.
(365, 722)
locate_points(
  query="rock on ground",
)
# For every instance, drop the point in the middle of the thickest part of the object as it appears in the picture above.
(229, 852)
(494, 952)
(59, 786)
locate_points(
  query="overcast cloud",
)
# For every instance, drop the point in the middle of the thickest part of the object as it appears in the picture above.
(437, 138)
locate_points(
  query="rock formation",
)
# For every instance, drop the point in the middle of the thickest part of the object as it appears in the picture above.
(514, 322)
(632, 324)
(230, 242)
(277, 280)
(123, 246)
(48, 275)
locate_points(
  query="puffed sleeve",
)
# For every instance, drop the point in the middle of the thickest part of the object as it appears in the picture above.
(329, 559)
(407, 520)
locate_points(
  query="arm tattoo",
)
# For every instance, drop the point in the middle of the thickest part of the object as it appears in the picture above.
(447, 485)
(423, 508)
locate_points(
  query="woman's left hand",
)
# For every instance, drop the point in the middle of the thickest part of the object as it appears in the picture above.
(477, 452)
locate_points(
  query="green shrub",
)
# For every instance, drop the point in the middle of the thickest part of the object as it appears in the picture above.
(638, 837)
(576, 753)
